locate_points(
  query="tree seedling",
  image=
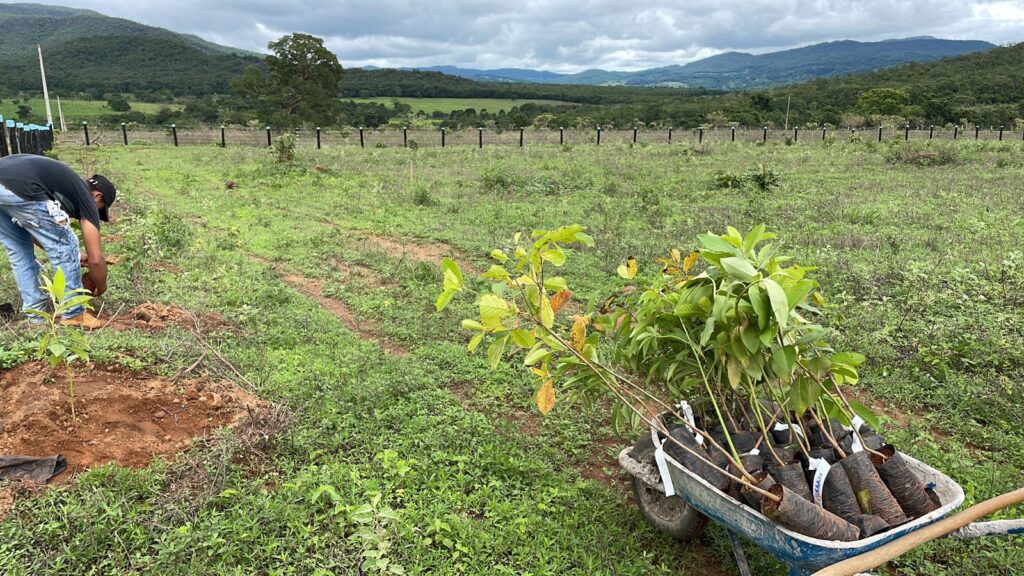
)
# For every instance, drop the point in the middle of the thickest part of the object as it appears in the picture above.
(60, 344)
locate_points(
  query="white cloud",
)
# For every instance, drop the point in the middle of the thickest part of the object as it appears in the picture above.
(566, 35)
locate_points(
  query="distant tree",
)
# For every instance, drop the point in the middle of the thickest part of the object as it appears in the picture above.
(24, 111)
(300, 84)
(118, 104)
(883, 101)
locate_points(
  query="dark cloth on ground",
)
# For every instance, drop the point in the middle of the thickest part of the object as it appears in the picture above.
(30, 468)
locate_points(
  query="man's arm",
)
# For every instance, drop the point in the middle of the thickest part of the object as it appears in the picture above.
(97, 264)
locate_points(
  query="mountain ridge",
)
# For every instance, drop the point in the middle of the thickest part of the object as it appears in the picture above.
(735, 70)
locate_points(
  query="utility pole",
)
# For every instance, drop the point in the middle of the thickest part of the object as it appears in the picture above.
(60, 111)
(46, 93)
(788, 98)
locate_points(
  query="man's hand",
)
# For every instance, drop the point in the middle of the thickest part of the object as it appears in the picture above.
(97, 275)
(89, 284)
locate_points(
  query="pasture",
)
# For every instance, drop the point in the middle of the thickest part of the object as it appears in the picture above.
(391, 450)
(75, 111)
(447, 105)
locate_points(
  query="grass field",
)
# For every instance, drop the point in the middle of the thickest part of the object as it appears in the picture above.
(404, 448)
(430, 105)
(75, 111)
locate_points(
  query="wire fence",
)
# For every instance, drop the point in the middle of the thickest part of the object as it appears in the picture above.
(480, 137)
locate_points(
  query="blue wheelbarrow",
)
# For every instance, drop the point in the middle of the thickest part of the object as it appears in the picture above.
(692, 502)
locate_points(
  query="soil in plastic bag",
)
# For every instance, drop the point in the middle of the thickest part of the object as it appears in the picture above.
(828, 454)
(804, 517)
(819, 439)
(872, 494)
(869, 524)
(785, 453)
(871, 440)
(712, 474)
(753, 498)
(905, 486)
(837, 495)
(792, 476)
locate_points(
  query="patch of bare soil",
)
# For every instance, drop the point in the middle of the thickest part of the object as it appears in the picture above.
(430, 252)
(6, 502)
(123, 416)
(602, 465)
(366, 329)
(364, 274)
(153, 317)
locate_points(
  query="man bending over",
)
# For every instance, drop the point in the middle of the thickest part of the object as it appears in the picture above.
(38, 198)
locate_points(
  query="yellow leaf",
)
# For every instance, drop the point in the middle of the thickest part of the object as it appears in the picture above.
(559, 299)
(546, 397)
(539, 372)
(578, 333)
(629, 269)
(691, 260)
(676, 255)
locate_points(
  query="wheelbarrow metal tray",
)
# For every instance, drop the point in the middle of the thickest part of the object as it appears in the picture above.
(803, 554)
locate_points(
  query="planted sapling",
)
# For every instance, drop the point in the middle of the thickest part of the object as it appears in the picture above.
(60, 344)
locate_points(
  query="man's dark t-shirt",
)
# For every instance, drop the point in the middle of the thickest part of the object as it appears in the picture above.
(40, 178)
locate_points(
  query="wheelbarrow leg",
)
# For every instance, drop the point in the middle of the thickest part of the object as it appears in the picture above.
(737, 552)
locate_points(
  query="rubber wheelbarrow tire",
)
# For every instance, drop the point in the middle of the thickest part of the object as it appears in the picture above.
(668, 514)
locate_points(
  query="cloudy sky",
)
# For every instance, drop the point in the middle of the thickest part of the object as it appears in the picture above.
(566, 35)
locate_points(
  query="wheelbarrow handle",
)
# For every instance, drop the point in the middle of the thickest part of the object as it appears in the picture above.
(883, 554)
(994, 528)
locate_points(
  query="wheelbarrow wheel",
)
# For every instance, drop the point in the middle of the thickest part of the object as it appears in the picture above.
(669, 514)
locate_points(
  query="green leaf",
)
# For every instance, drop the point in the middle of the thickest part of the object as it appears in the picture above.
(584, 239)
(757, 300)
(493, 309)
(752, 238)
(739, 267)
(866, 414)
(58, 285)
(523, 338)
(443, 299)
(453, 279)
(496, 272)
(536, 355)
(468, 324)
(554, 255)
(499, 255)
(555, 284)
(475, 341)
(57, 349)
(709, 328)
(796, 293)
(751, 338)
(496, 351)
(713, 243)
(547, 314)
(848, 358)
(780, 304)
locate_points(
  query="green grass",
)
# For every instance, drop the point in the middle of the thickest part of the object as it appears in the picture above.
(75, 111)
(447, 105)
(416, 456)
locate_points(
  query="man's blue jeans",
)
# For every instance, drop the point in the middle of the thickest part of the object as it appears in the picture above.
(21, 221)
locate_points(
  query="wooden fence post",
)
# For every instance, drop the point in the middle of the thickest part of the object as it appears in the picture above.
(124, 133)
(174, 134)
(85, 128)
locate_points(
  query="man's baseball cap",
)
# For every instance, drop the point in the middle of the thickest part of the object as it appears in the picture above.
(107, 190)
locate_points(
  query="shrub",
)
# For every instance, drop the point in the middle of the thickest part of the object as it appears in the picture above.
(764, 178)
(726, 180)
(284, 148)
(915, 156)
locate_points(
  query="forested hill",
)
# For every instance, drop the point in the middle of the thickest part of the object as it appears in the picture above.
(88, 52)
(984, 87)
(987, 87)
(738, 70)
